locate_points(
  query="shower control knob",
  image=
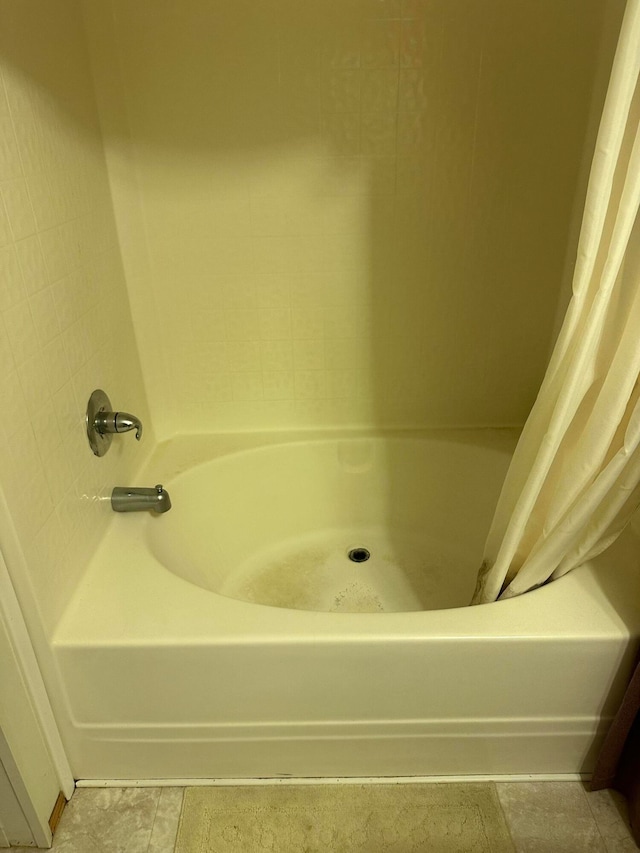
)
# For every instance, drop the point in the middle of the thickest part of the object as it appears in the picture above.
(102, 422)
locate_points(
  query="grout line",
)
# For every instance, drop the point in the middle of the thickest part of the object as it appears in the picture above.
(595, 820)
(505, 816)
(153, 822)
(179, 824)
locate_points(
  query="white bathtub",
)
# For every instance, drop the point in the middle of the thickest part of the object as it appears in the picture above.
(232, 637)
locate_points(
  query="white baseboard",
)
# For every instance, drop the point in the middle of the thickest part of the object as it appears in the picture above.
(343, 780)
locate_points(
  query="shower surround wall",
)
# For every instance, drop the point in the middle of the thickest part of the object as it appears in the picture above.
(345, 212)
(63, 303)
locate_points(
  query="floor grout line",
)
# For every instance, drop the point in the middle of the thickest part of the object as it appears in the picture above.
(595, 820)
(504, 815)
(153, 822)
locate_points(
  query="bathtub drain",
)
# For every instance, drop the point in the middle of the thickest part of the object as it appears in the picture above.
(359, 555)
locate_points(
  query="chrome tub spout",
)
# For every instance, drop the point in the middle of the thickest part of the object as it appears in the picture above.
(130, 499)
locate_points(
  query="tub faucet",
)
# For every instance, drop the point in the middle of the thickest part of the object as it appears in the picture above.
(129, 499)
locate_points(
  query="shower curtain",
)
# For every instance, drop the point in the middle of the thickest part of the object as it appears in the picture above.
(574, 481)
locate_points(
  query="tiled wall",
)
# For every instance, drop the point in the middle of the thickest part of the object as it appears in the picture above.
(350, 211)
(63, 300)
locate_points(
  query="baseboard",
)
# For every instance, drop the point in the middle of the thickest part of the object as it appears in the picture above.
(342, 780)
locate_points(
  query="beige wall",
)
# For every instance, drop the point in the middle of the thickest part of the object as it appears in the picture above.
(65, 327)
(348, 211)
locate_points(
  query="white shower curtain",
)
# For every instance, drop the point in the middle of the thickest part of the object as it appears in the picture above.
(574, 480)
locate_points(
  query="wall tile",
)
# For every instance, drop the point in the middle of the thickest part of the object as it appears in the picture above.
(308, 354)
(34, 270)
(347, 353)
(411, 90)
(308, 323)
(380, 8)
(243, 325)
(56, 364)
(378, 133)
(379, 90)
(73, 339)
(5, 228)
(18, 207)
(341, 132)
(244, 355)
(310, 384)
(278, 385)
(308, 290)
(44, 316)
(7, 364)
(276, 355)
(207, 325)
(247, 386)
(271, 291)
(341, 91)
(275, 324)
(218, 386)
(209, 359)
(20, 331)
(12, 287)
(380, 46)
(9, 155)
(412, 44)
(33, 378)
(341, 47)
(276, 255)
(342, 383)
(14, 404)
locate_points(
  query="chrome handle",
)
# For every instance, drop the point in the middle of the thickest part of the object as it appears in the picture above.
(116, 422)
(124, 422)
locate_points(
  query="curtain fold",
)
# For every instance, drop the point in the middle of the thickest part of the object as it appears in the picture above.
(574, 480)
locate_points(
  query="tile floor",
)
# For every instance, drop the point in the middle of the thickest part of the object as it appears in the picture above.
(543, 817)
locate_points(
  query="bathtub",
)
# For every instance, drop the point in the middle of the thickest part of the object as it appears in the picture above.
(233, 637)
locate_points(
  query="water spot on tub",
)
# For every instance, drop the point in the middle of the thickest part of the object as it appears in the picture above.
(356, 457)
(295, 581)
(357, 598)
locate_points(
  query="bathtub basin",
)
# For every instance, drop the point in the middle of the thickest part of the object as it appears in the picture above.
(233, 638)
(276, 525)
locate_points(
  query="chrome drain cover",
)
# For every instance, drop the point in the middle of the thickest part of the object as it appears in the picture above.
(359, 555)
